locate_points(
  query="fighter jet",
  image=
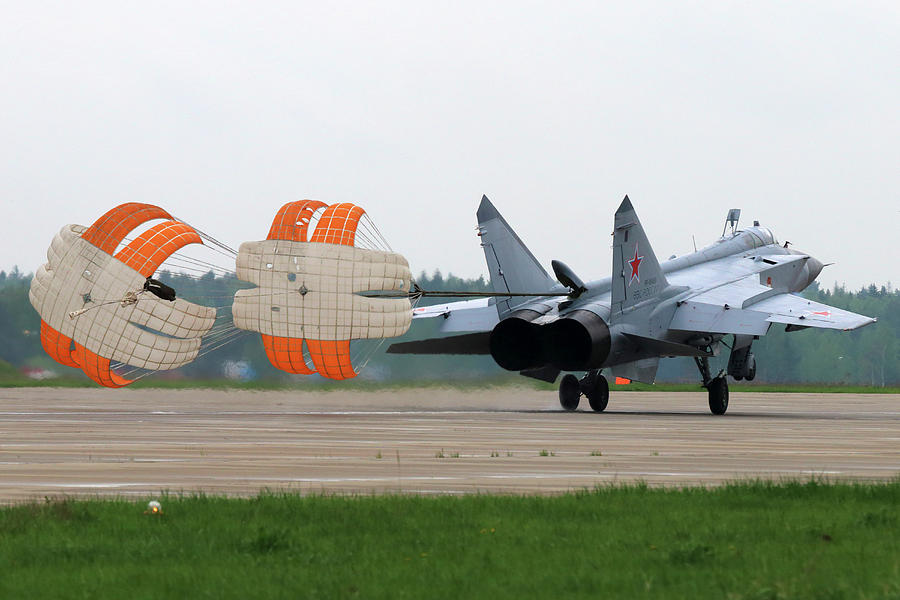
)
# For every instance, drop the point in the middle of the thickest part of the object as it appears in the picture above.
(733, 290)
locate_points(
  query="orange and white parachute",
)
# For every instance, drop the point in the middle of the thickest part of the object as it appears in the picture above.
(94, 304)
(308, 291)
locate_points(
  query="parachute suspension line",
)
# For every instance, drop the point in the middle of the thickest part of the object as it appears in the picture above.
(223, 341)
(369, 242)
(369, 232)
(188, 260)
(180, 256)
(385, 244)
(223, 325)
(198, 272)
(137, 372)
(226, 254)
(367, 356)
(213, 241)
(193, 276)
(224, 330)
(130, 298)
(362, 358)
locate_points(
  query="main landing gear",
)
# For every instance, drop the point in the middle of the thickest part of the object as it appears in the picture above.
(717, 387)
(593, 385)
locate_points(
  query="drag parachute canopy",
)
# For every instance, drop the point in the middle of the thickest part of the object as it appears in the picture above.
(93, 304)
(308, 291)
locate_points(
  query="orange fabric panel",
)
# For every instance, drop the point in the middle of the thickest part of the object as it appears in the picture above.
(622, 381)
(58, 346)
(108, 231)
(150, 249)
(97, 368)
(338, 224)
(286, 354)
(331, 358)
(292, 221)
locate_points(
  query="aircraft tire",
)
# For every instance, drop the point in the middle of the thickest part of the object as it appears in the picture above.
(718, 396)
(569, 392)
(598, 394)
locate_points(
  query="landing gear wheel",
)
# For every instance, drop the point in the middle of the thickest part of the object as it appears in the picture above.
(718, 395)
(569, 392)
(597, 392)
(751, 373)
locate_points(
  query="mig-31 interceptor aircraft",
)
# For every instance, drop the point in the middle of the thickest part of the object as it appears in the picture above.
(737, 287)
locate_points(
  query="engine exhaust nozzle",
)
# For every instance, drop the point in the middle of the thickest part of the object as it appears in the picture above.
(515, 342)
(579, 341)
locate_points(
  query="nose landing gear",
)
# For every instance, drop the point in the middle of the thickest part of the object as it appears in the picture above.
(593, 385)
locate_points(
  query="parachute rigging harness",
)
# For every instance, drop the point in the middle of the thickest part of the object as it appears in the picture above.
(417, 293)
(155, 287)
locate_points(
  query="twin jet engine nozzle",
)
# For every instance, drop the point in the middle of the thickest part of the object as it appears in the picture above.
(578, 341)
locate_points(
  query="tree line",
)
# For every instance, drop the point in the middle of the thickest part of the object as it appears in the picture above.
(868, 356)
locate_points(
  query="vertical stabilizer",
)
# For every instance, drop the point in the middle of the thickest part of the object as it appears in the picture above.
(512, 267)
(636, 274)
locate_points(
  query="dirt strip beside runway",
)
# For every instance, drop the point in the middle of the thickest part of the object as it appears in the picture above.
(139, 442)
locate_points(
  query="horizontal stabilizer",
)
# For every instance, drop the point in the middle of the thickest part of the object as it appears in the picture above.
(665, 347)
(548, 373)
(469, 343)
(643, 371)
(468, 315)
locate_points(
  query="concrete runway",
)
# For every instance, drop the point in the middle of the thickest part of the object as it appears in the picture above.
(139, 442)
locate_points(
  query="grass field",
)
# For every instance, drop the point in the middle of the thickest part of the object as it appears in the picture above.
(751, 540)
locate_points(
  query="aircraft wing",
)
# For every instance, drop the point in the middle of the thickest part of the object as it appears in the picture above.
(468, 315)
(796, 310)
(747, 307)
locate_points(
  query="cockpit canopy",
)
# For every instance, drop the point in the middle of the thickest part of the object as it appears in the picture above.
(763, 235)
(752, 237)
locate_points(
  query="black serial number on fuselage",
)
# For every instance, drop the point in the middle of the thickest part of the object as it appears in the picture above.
(648, 290)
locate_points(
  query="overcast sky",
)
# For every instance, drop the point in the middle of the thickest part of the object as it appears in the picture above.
(221, 112)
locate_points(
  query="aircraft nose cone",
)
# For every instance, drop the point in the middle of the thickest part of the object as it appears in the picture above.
(815, 267)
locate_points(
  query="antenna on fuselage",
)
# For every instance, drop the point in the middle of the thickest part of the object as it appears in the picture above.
(734, 215)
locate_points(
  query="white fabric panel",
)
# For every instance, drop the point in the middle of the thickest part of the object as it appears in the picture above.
(77, 270)
(332, 275)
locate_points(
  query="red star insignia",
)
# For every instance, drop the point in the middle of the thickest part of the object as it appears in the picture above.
(635, 266)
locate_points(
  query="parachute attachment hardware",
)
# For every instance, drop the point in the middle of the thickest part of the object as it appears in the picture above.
(128, 299)
(159, 289)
